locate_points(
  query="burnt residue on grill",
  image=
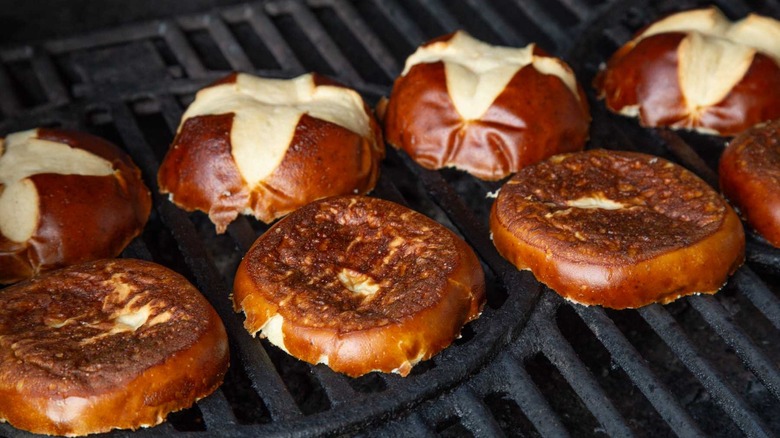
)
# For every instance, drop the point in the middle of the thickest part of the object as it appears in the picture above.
(533, 364)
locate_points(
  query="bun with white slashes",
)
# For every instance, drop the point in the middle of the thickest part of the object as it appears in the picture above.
(485, 109)
(66, 197)
(264, 147)
(697, 70)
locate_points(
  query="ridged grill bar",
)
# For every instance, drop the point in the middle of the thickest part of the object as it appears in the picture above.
(703, 366)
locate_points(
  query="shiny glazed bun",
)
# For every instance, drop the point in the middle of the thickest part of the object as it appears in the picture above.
(697, 70)
(264, 147)
(111, 344)
(359, 284)
(66, 197)
(617, 229)
(485, 109)
(750, 178)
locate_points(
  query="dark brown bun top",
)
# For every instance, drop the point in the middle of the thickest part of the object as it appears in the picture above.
(65, 197)
(619, 229)
(485, 109)
(259, 146)
(750, 177)
(107, 344)
(697, 70)
(361, 284)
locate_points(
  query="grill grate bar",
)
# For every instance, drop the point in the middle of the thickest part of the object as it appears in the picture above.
(625, 355)
(530, 400)
(227, 44)
(109, 37)
(265, 29)
(9, 104)
(442, 15)
(497, 22)
(746, 349)
(320, 38)
(473, 413)
(758, 293)
(724, 396)
(48, 78)
(365, 35)
(536, 14)
(412, 425)
(335, 385)
(216, 411)
(579, 8)
(565, 359)
(182, 49)
(401, 20)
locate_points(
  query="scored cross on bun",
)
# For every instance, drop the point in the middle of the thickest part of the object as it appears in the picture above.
(66, 197)
(264, 147)
(485, 109)
(697, 70)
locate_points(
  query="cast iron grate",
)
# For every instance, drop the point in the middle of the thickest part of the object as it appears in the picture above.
(533, 364)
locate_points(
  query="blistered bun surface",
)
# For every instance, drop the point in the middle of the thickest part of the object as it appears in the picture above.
(750, 177)
(66, 197)
(264, 147)
(485, 109)
(360, 284)
(697, 70)
(111, 344)
(617, 229)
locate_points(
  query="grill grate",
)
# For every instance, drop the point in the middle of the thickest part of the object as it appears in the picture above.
(533, 364)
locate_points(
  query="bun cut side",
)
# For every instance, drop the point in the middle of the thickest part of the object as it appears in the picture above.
(750, 177)
(111, 344)
(617, 229)
(359, 284)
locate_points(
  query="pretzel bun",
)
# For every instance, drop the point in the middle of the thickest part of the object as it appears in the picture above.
(111, 344)
(265, 147)
(697, 70)
(485, 109)
(65, 198)
(359, 284)
(750, 178)
(617, 229)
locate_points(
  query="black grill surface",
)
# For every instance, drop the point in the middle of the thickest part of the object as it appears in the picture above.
(533, 364)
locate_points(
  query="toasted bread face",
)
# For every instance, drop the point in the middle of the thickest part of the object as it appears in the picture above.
(360, 284)
(617, 229)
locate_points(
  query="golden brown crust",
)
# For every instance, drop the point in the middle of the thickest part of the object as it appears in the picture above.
(323, 159)
(82, 217)
(536, 116)
(368, 284)
(750, 178)
(617, 229)
(104, 345)
(645, 75)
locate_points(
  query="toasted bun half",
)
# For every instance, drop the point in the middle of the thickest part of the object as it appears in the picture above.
(697, 70)
(65, 198)
(359, 284)
(264, 147)
(485, 109)
(111, 344)
(617, 229)
(750, 178)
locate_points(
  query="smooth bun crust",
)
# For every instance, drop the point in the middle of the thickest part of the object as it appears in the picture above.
(360, 284)
(539, 112)
(112, 344)
(265, 147)
(76, 212)
(617, 229)
(696, 70)
(750, 178)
